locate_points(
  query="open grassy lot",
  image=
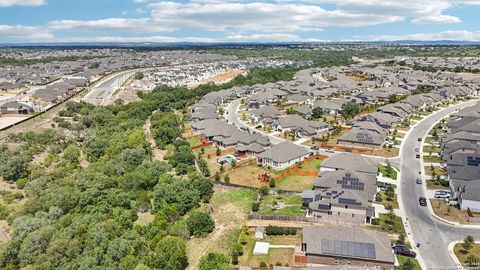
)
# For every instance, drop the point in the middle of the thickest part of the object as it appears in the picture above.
(248, 175)
(432, 159)
(432, 139)
(392, 173)
(295, 182)
(402, 260)
(281, 205)
(436, 169)
(462, 254)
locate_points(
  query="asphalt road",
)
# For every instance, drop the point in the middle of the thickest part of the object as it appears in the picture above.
(107, 87)
(433, 235)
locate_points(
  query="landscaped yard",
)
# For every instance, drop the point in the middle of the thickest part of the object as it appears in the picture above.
(281, 205)
(451, 213)
(462, 255)
(402, 260)
(295, 182)
(390, 173)
(435, 185)
(437, 169)
(385, 201)
(395, 225)
(431, 149)
(193, 141)
(432, 159)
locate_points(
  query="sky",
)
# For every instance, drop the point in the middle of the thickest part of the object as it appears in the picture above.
(23, 21)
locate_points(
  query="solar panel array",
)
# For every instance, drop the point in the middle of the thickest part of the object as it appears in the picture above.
(348, 249)
(349, 201)
(364, 138)
(473, 161)
(349, 182)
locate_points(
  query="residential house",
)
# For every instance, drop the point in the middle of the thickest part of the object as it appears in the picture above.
(347, 246)
(282, 156)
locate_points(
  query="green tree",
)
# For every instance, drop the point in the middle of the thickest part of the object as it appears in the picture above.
(350, 110)
(472, 260)
(214, 261)
(169, 254)
(317, 112)
(407, 265)
(199, 223)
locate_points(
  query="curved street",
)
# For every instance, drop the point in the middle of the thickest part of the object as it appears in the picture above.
(433, 235)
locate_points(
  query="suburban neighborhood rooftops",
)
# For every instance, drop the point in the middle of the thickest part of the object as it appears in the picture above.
(284, 152)
(353, 162)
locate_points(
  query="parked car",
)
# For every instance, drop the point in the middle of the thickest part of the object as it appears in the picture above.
(417, 156)
(403, 251)
(419, 181)
(316, 148)
(422, 201)
(442, 194)
(330, 150)
(396, 245)
(258, 126)
(419, 139)
(417, 150)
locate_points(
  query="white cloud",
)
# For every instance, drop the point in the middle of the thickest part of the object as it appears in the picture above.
(110, 25)
(437, 19)
(9, 3)
(27, 33)
(458, 35)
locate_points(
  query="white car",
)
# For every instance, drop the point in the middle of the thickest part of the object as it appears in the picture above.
(442, 194)
(329, 150)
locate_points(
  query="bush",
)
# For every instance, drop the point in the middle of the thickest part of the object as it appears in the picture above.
(263, 264)
(21, 183)
(375, 221)
(255, 207)
(274, 230)
(200, 223)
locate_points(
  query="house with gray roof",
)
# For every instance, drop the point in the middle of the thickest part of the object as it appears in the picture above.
(266, 115)
(350, 161)
(282, 156)
(347, 246)
(299, 127)
(342, 195)
(364, 134)
(14, 107)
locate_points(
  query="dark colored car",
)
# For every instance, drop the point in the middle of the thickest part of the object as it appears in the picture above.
(417, 156)
(403, 251)
(419, 139)
(422, 201)
(315, 148)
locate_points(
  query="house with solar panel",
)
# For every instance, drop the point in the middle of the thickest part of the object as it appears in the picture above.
(364, 134)
(347, 246)
(343, 196)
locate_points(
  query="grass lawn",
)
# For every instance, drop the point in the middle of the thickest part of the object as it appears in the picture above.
(437, 169)
(281, 205)
(295, 182)
(193, 141)
(209, 150)
(432, 159)
(402, 260)
(427, 149)
(417, 118)
(462, 255)
(241, 198)
(431, 139)
(385, 172)
(275, 255)
(312, 165)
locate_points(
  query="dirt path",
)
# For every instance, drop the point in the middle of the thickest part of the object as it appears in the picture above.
(157, 153)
